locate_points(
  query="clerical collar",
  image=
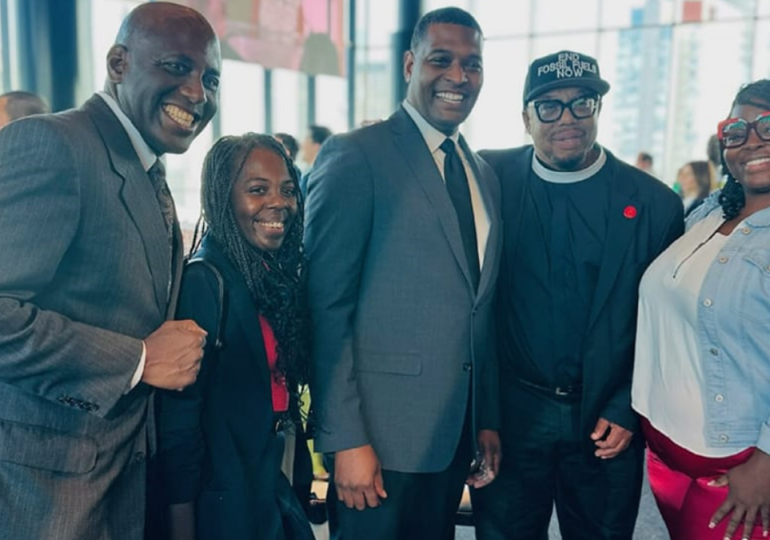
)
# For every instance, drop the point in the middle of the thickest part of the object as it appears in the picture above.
(569, 177)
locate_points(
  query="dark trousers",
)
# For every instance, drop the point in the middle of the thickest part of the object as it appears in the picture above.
(544, 462)
(420, 506)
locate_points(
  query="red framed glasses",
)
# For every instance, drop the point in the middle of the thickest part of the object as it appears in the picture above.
(734, 132)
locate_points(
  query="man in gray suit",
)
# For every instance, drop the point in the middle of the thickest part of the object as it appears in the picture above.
(91, 254)
(403, 236)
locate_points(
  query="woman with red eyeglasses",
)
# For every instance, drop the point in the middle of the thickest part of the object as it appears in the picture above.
(702, 369)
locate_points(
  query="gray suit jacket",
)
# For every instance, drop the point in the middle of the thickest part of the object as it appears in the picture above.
(399, 333)
(83, 278)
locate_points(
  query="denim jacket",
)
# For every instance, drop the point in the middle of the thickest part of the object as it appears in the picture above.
(734, 334)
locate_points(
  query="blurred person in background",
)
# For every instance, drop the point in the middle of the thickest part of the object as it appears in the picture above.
(696, 181)
(316, 136)
(289, 143)
(644, 162)
(18, 104)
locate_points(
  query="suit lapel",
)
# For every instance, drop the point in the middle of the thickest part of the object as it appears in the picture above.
(137, 196)
(624, 215)
(410, 142)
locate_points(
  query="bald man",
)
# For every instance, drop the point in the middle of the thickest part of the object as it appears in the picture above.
(18, 104)
(91, 260)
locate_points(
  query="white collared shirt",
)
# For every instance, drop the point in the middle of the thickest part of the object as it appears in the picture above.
(433, 138)
(142, 149)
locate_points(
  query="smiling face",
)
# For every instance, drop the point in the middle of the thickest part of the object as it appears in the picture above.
(264, 200)
(568, 143)
(445, 75)
(750, 164)
(166, 79)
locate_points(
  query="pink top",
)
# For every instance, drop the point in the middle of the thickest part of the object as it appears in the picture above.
(277, 381)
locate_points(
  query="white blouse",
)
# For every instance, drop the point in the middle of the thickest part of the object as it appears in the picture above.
(668, 375)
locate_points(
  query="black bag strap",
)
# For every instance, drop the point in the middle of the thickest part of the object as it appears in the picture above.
(222, 298)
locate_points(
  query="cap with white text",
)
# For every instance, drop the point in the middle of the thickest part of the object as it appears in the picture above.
(562, 70)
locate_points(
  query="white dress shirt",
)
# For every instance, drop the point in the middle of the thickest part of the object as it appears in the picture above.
(433, 138)
(668, 379)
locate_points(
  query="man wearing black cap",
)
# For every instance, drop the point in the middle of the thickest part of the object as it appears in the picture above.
(580, 229)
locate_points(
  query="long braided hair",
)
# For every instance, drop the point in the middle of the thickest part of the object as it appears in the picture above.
(732, 198)
(275, 279)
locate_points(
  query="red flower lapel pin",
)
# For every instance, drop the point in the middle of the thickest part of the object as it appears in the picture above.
(629, 212)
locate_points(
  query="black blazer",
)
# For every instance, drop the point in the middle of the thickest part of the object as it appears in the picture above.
(216, 445)
(630, 246)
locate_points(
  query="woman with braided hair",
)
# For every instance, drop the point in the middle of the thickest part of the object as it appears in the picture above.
(702, 367)
(222, 440)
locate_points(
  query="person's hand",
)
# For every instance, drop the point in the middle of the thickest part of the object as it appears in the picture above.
(748, 495)
(490, 454)
(173, 355)
(358, 477)
(610, 439)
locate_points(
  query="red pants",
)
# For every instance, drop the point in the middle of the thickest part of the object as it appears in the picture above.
(679, 481)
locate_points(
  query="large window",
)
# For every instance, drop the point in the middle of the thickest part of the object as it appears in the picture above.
(674, 66)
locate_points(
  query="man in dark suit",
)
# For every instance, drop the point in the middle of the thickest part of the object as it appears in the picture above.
(580, 229)
(403, 234)
(91, 258)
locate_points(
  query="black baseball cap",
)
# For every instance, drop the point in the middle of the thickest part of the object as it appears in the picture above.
(560, 70)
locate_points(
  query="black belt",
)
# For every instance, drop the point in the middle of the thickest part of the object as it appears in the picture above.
(558, 391)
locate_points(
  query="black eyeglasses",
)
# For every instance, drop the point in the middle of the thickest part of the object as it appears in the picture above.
(734, 132)
(551, 110)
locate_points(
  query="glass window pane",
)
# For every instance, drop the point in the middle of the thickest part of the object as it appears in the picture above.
(762, 51)
(699, 96)
(636, 62)
(3, 89)
(289, 102)
(376, 21)
(332, 103)
(694, 11)
(106, 16)
(183, 172)
(502, 18)
(584, 42)
(430, 5)
(374, 84)
(242, 98)
(625, 13)
(763, 8)
(561, 16)
(496, 120)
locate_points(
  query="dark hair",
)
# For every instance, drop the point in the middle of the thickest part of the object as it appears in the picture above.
(276, 280)
(19, 104)
(289, 143)
(644, 156)
(713, 151)
(448, 15)
(704, 178)
(732, 198)
(319, 133)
